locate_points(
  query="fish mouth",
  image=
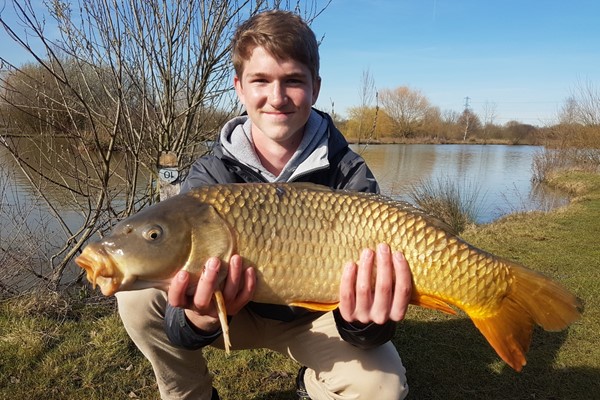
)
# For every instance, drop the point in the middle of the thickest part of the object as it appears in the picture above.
(100, 269)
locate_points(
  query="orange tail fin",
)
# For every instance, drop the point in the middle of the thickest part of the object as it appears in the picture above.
(533, 299)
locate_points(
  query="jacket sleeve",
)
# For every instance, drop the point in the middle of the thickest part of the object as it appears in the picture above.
(181, 333)
(364, 337)
(206, 170)
(354, 174)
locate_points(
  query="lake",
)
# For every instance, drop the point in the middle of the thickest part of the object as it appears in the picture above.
(501, 174)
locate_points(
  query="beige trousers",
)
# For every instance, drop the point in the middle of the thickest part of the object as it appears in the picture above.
(336, 369)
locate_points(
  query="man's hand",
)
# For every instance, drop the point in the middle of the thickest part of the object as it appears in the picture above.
(390, 297)
(200, 309)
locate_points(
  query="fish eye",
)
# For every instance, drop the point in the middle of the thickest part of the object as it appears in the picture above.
(153, 233)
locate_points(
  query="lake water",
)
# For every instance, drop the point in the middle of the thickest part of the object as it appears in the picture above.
(500, 174)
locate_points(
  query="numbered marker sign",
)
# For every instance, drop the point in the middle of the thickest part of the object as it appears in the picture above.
(168, 175)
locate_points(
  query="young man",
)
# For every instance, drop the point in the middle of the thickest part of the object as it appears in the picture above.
(347, 352)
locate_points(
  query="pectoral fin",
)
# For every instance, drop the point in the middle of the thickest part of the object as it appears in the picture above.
(316, 306)
(222, 312)
(434, 303)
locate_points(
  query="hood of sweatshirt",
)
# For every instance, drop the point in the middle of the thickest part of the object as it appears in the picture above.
(311, 154)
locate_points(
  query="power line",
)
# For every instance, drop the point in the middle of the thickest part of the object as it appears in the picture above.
(467, 103)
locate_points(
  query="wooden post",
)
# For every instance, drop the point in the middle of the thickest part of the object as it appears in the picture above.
(168, 175)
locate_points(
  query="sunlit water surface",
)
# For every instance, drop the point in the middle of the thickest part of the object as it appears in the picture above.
(500, 175)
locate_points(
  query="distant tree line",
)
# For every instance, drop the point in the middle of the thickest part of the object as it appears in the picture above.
(406, 115)
(33, 100)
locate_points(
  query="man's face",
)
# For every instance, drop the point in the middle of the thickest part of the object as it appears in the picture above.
(278, 96)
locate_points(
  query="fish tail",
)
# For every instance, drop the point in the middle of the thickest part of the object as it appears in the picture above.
(532, 299)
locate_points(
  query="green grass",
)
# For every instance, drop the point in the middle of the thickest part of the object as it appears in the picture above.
(447, 358)
(56, 348)
(78, 354)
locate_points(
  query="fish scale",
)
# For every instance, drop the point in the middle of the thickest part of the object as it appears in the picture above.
(299, 236)
(356, 218)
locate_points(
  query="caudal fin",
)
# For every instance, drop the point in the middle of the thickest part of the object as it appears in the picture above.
(533, 299)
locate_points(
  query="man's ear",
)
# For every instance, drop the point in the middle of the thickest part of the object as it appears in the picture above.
(316, 90)
(237, 84)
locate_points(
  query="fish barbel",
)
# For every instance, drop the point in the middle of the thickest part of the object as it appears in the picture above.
(299, 236)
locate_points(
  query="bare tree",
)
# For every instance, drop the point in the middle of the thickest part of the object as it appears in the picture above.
(450, 124)
(130, 80)
(568, 112)
(406, 107)
(583, 106)
(470, 121)
(367, 93)
(579, 127)
(489, 115)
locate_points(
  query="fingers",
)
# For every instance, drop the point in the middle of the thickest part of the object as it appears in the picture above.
(364, 286)
(387, 299)
(239, 285)
(402, 288)
(234, 278)
(179, 295)
(347, 291)
(177, 290)
(206, 287)
(384, 285)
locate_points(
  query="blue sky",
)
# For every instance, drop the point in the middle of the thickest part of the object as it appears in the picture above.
(523, 57)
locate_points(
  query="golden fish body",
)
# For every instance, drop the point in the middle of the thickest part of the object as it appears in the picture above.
(299, 236)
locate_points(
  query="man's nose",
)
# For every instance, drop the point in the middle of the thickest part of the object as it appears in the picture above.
(278, 96)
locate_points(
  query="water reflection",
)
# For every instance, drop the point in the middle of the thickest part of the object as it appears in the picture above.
(502, 174)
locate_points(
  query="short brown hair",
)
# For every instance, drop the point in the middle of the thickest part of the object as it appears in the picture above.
(283, 34)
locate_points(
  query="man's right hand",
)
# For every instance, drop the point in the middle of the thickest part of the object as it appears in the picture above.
(200, 308)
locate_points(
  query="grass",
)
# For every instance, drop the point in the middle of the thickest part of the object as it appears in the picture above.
(53, 347)
(456, 204)
(78, 354)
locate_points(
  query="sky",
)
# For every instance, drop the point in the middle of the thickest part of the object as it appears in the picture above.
(523, 58)
(520, 58)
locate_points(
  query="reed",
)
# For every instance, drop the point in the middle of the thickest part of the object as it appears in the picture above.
(455, 203)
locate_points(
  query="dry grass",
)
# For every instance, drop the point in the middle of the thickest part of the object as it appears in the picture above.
(455, 203)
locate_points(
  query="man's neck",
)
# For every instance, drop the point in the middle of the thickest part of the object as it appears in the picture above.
(274, 155)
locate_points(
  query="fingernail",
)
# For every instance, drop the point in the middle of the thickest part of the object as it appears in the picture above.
(364, 256)
(212, 263)
(181, 276)
(383, 248)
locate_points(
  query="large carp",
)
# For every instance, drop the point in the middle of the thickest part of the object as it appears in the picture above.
(298, 238)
